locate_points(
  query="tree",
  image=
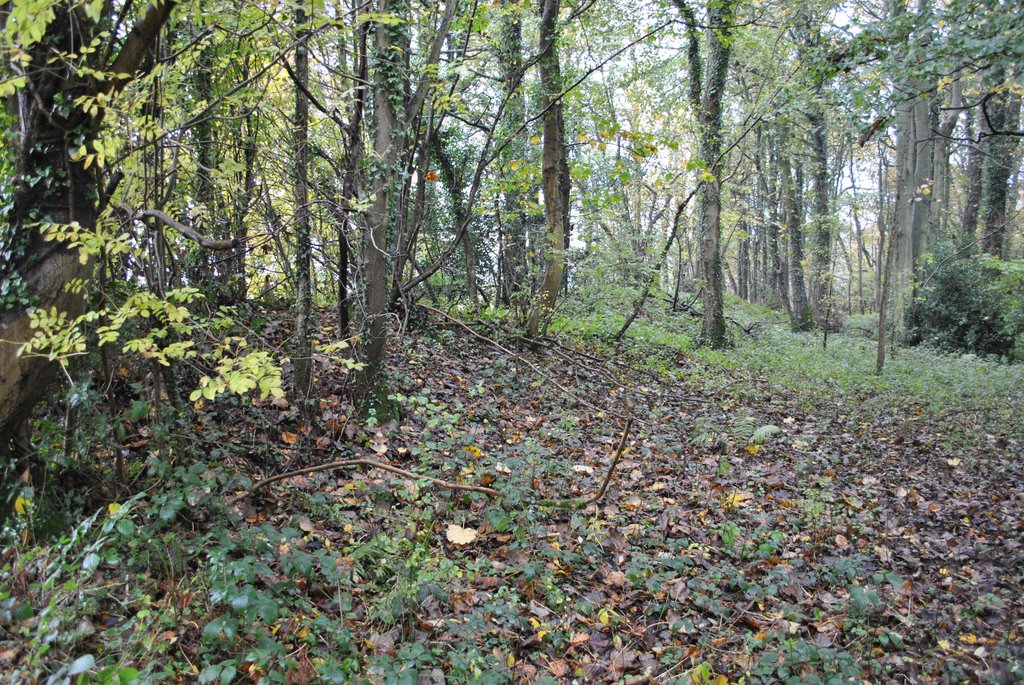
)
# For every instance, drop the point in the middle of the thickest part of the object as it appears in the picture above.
(555, 171)
(302, 350)
(707, 97)
(53, 183)
(393, 139)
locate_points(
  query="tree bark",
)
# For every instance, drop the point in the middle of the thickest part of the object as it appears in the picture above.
(712, 93)
(47, 131)
(800, 318)
(821, 251)
(512, 265)
(1002, 112)
(555, 171)
(301, 345)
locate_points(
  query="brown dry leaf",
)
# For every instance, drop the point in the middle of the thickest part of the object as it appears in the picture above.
(457, 535)
(615, 578)
(558, 667)
(842, 541)
(289, 438)
(305, 525)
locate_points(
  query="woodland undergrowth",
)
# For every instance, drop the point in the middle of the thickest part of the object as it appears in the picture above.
(777, 513)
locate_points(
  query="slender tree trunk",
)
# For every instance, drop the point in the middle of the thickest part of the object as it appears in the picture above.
(555, 174)
(350, 182)
(302, 351)
(719, 41)
(744, 266)
(1003, 110)
(972, 200)
(921, 208)
(821, 251)
(371, 390)
(512, 263)
(800, 317)
(939, 219)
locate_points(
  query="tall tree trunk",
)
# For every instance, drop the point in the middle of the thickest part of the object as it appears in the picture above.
(350, 182)
(939, 219)
(972, 199)
(301, 345)
(390, 142)
(512, 262)
(719, 39)
(371, 391)
(821, 250)
(555, 171)
(800, 318)
(46, 131)
(1003, 114)
(744, 265)
(921, 208)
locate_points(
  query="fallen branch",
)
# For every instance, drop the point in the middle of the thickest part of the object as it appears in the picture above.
(342, 463)
(533, 366)
(581, 503)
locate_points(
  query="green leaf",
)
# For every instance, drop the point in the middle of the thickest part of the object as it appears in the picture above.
(82, 664)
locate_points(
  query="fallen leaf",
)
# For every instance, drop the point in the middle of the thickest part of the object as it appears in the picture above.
(736, 499)
(457, 535)
(558, 667)
(289, 438)
(615, 578)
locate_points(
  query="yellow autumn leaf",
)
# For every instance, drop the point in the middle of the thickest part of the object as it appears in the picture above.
(457, 535)
(541, 634)
(604, 616)
(21, 505)
(113, 508)
(735, 499)
(944, 644)
(475, 451)
(753, 449)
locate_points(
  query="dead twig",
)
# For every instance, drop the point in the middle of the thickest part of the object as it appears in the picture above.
(581, 503)
(342, 463)
(524, 360)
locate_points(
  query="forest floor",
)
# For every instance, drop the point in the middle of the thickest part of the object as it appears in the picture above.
(778, 514)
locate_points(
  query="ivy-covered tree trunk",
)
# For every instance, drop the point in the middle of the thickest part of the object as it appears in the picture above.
(1002, 111)
(387, 95)
(555, 171)
(51, 185)
(391, 140)
(821, 250)
(800, 318)
(512, 262)
(719, 35)
(301, 347)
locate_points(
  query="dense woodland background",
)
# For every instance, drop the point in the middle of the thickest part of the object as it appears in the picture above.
(674, 341)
